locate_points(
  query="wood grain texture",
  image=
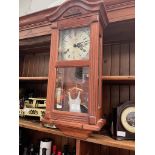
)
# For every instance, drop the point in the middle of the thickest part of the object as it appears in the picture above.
(107, 60)
(116, 93)
(108, 141)
(132, 153)
(132, 92)
(104, 150)
(37, 87)
(115, 59)
(114, 151)
(106, 99)
(124, 59)
(94, 113)
(33, 78)
(97, 139)
(118, 78)
(119, 32)
(113, 10)
(132, 58)
(114, 96)
(78, 147)
(124, 93)
(21, 60)
(71, 143)
(124, 152)
(33, 65)
(84, 148)
(118, 58)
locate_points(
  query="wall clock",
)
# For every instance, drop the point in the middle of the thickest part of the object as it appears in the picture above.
(124, 121)
(74, 100)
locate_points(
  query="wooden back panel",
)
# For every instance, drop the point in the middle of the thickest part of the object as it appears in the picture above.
(38, 88)
(34, 65)
(87, 148)
(119, 58)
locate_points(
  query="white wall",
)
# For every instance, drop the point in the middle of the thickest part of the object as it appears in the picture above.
(30, 6)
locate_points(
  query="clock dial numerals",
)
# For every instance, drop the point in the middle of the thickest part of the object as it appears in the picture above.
(74, 44)
(128, 119)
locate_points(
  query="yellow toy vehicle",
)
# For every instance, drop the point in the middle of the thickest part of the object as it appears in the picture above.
(33, 107)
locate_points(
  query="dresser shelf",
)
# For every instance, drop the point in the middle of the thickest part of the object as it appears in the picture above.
(94, 138)
(33, 78)
(118, 79)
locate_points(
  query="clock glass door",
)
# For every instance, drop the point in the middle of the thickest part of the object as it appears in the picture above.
(74, 44)
(71, 92)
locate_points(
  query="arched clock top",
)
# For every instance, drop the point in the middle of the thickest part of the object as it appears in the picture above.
(73, 8)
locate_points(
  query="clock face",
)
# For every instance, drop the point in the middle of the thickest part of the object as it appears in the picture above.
(74, 44)
(128, 119)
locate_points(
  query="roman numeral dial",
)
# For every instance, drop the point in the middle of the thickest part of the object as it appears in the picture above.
(74, 44)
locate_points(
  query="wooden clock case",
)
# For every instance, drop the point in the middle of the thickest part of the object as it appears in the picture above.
(73, 14)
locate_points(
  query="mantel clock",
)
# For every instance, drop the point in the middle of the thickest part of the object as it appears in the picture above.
(74, 100)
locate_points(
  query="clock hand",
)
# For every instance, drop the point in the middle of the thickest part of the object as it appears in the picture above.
(66, 51)
(78, 44)
(82, 43)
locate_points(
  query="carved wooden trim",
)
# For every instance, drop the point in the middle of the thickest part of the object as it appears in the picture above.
(118, 6)
(54, 25)
(34, 25)
(36, 17)
(92, 120)
(39, 18)
(75, 132)
(76, 7)
(74, 11)
(69, 117)
(97, 127)
(76, 22)
(37, 41)
(47, 115)
(93, 78)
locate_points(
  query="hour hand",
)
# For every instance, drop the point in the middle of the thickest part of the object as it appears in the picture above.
(83, 43)
(65, 52)
(79, 45)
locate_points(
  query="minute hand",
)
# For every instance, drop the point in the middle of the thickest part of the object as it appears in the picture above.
(79, 45)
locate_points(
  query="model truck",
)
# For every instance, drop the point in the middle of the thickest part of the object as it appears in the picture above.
(35, 107)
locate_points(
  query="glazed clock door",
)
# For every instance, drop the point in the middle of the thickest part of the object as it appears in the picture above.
(71, 93)
(72, 88)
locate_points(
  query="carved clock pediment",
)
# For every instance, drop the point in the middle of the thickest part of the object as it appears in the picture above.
(74, 11)
(73, 8)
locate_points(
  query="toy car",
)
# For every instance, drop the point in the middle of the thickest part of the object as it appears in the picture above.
(35, 107)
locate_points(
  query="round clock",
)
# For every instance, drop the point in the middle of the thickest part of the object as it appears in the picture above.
(74, 44)
(128, 119)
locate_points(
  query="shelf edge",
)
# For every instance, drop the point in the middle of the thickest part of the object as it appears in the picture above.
(97, 139)
(32, 78)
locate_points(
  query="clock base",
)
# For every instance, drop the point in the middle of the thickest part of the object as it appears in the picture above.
(74, 132)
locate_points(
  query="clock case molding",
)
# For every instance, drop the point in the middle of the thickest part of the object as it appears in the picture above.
(37, 24)
(72, 14)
